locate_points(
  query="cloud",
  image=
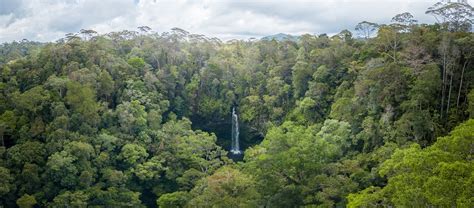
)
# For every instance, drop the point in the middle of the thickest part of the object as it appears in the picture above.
(48, 20)
(10, 6)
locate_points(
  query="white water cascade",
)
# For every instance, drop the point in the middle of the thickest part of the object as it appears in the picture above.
(235, 148)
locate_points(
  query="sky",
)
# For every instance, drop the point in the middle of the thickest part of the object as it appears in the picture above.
(50, 20)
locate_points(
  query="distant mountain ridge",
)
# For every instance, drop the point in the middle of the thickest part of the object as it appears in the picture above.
(281, 37)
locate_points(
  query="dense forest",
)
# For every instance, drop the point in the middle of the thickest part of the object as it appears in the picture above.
(383, 117)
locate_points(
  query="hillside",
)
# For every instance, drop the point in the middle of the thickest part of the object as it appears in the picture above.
(281, 37)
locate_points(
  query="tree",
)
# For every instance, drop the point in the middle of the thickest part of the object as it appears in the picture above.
(6, 180)
(29, 181)
(132, 117)
(365, 29)
(390, 40)
(136, 62)
(32, 152)
(306, 111)
(301, 74)
(62, 170)
(227, 187)
(105, 86)
(87, 33)
(8, 122)
(70, 37)
(466, 46)
(337, 134)
(32, 100)
(133, 154)
(440, 175)
(369, 197)
(370, 136)
(144, 29)
(150, 170)
(114, 197)
(173, 200)
(200, 148)
(57, 84)
(26, 201)
(404, 21)
(449, 55)
(470, 108)
(71, 199)
(82, 99)
(345, 35)
(454, 16)
(285, 181)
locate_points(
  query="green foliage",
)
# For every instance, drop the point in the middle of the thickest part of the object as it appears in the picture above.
(301, 76)
(113, 120)
(82, 100)
(71, 199)
(105, 85)
(6, 180)
(113, 197)
(291, 160)
(470, 108)
(132, 117)
(133, 154)
(26, 201)
(32, 100)
(369, 197)
(62, 169)
(440, 175)
(173, 200)
(201, 151)
(28, 152)
(136, 62)
(149, 170)
(227, 187)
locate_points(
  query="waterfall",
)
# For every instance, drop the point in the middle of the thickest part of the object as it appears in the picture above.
(235, 148)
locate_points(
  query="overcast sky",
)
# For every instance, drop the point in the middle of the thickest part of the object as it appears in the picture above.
(49, 20)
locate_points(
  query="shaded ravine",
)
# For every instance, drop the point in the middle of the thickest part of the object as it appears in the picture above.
(248, 136)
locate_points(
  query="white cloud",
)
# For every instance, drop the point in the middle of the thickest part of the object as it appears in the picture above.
(48, 20)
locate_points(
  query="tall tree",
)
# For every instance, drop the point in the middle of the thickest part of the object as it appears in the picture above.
(454, 16)
(365, 29)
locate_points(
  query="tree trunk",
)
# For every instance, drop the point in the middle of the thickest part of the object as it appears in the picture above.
(395, 46)
(449, 94)
(443, 86)
(2, 133)
(460, 84)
